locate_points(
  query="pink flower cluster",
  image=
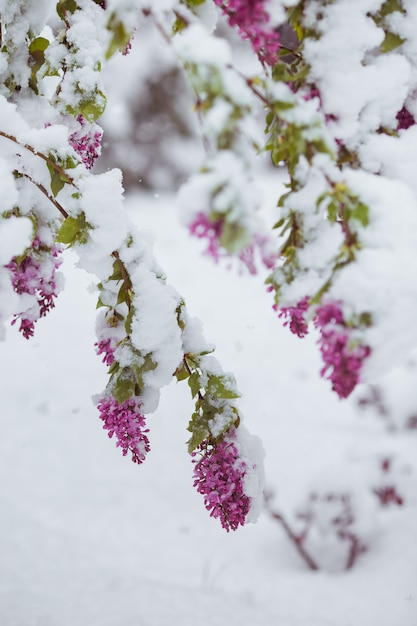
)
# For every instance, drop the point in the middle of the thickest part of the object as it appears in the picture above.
(218, 476)
(295, 317)
(105, 347)
(251, 19)
(342, 360)
(87, 142)
(405, 119)
(204, 228)
(128, 424)
(35, 275)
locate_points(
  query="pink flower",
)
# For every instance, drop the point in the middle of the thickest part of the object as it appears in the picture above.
(27, 327)
(405, 119)
(104, 346)
(86, 141)
(218, 476)
(35, 275)
(128, 424)
(251, 19)
(294, 317)
(262, 245)
(204, 228)
(343, 359)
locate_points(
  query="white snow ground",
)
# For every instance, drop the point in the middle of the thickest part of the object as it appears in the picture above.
(89, 539)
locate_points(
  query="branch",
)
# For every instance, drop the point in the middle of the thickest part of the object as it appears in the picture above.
(167, 38)
(46, 193)
(47, 159)
(296, 540)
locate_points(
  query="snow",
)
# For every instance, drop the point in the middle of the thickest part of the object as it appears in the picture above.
(89, 538)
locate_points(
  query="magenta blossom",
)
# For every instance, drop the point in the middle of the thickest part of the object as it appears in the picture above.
(218, 476)
(252, 19)
(105, 347)
(405, 119)
(128, 424)
(35, 275)
(204, 228)
(27, 326)
(343, 358)
(87, 141)
(262, 245)
(295, 317)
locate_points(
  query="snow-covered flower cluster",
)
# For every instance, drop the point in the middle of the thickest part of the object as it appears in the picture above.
(342, 353)
(343, 357)
(87, 141)
(127, 423)
(35, 277)
(260, 247)
(251, 19)
(228, 473)
(218, 476)
(294, 317)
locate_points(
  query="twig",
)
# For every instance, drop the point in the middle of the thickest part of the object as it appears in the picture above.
(47, 159)
(47, 194)
(296, 540)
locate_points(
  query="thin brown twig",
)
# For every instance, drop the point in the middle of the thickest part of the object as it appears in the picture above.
(47, 159)
(293, 52)
(47, 194)
(296, 540)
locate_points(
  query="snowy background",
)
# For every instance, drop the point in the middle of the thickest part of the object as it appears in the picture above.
(89, 539)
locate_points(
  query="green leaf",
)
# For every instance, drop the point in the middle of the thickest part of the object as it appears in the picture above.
(146, 364)
(333, 210)
(121, 296)
(181, 373)
(199, 431)
(94, 107)
(38, 44)
(74, 229)
(234, 237)
(194, 383)
(68, 231)
(124, 386)
(221, 387)
(281, 105)
(36, 60)
(128, 321)
(117, 272)
(178, 26)
(391, 42)
(361, 213)
(65, 6)
(57, 180)
(120, 36)
(390, 6)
